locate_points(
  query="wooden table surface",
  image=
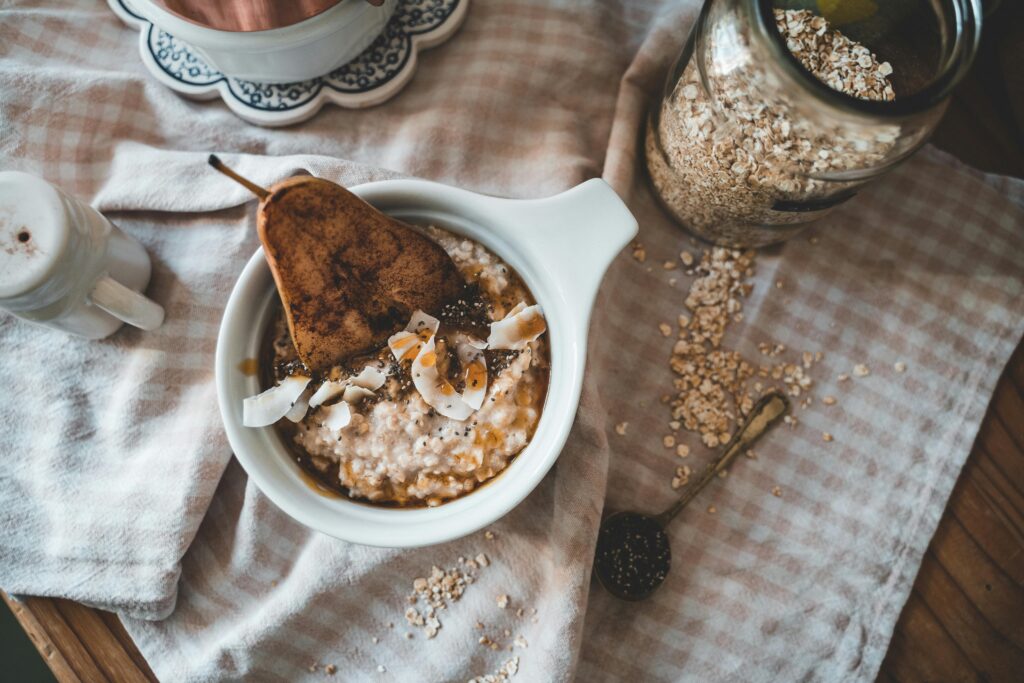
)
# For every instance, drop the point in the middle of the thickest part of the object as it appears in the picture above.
(964, 620)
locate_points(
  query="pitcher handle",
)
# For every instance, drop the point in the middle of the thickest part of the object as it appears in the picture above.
(126, 304)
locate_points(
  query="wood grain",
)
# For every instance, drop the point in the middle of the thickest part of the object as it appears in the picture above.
(964, 620)
(48, 649)
(79, 643)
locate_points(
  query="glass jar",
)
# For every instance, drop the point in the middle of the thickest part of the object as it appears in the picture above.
(758, 134)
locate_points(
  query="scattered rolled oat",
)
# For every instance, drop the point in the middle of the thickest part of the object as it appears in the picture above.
(639, 253)
(520, 641)
(842, 377)
(713, 384)
(668, 441)
(506, 671)
(899, 366)
(682, 450)
(489, 535)
(489, 642)
(669, 265)
(436, 592)
(502, 601)
(861, 370)
(829, 400)
(686, 257)
(620, 429)
(777, 492)
(666, 329)
(482, 560)
(711, 379)
(381, 668)
(330, 669)
(825, 436)
(682, 477)
(712, 509)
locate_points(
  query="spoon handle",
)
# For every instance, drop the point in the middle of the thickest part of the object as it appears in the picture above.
(765, 413)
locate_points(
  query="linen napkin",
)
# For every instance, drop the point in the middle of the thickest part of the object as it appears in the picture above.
(117, 482)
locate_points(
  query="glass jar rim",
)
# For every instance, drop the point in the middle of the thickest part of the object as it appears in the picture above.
(965, 45)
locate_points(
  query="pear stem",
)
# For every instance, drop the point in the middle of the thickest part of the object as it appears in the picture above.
(260, 192)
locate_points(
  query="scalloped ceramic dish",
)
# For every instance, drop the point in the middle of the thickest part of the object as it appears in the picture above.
(373, 76)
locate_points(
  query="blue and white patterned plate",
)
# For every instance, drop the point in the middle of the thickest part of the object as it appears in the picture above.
(376, 75)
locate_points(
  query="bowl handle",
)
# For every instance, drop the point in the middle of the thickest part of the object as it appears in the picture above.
(574, 236)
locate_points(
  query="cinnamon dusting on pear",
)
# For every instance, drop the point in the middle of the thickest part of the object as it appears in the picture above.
(348, 275)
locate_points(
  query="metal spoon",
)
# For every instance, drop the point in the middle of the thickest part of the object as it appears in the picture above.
(633, 555)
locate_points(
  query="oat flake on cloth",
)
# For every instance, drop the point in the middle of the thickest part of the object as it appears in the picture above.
(116, 480)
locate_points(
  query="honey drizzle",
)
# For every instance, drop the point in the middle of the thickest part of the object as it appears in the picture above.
(532, 327)
(249, 367)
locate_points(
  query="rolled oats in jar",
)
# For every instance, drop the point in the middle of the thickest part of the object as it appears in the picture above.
(774, 114)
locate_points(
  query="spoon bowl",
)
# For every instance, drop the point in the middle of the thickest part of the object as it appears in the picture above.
(633, 555)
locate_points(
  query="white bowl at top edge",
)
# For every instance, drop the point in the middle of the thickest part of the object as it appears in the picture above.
(560, 246)
(305, 50)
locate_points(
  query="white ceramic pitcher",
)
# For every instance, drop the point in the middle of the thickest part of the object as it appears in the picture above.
(63, 265)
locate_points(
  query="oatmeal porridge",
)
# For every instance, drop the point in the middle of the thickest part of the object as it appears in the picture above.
(440, 409)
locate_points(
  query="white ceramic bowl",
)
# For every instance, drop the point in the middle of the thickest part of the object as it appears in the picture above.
(299, 52)
(561, 246)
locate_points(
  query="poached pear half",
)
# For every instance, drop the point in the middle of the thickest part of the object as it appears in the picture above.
(349, 276)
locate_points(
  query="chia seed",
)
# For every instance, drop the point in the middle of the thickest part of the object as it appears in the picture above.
(633, 555)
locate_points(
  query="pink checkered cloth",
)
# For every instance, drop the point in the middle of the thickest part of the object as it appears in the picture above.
(117, 483)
